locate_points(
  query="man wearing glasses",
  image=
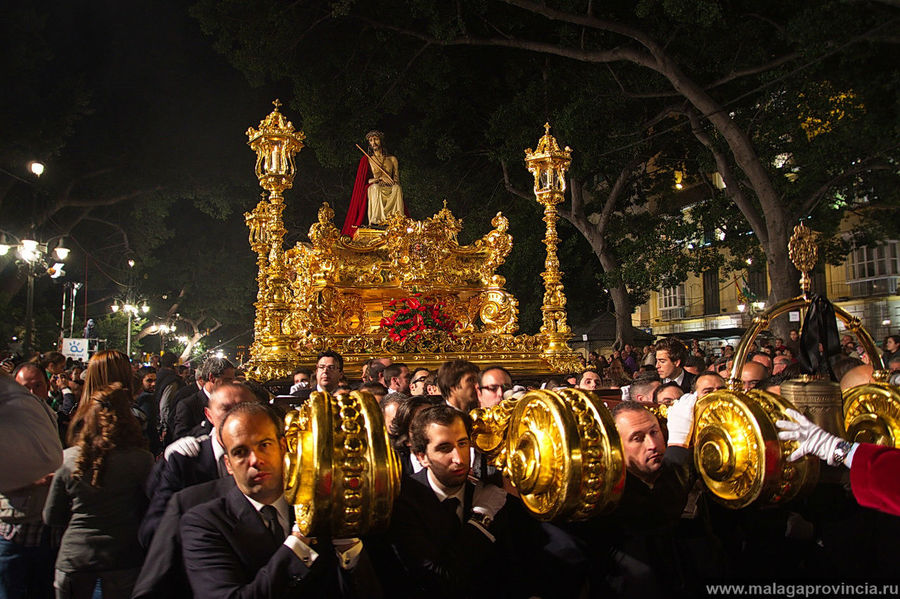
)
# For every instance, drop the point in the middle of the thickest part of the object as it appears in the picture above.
(417, 381)
(329, 369)
(495, 381)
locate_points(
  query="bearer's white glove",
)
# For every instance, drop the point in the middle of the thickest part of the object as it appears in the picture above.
(488, 499)
(812, 439)
(680, 419)
(186, 446)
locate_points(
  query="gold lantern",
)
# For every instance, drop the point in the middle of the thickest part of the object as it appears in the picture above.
(341, 474)
(549, 164)
(560, 449)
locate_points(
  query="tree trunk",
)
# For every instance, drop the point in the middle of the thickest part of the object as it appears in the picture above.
(783, 278)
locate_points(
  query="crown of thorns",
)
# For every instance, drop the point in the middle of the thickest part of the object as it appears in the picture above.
(374, 133)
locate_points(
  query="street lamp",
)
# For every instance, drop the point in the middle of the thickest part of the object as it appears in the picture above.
(35, 259)
(132, 310)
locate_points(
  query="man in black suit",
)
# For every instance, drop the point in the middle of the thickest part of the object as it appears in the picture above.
(162, 575)
(443, 526)
(243, 544)
(328, 373)
(191, 461)
(670, 357)
(189, 412)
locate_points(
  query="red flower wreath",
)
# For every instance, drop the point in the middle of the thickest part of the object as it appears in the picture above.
(413, 316)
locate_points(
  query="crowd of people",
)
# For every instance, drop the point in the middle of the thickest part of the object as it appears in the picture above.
(158, 481)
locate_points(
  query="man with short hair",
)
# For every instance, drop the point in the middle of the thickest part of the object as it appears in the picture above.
(493, 383)
(589, 380)
(708, 382)
(779, 363)
(302, 375)
(793, 342)
(190, 410)
(34, 378)
(656, 490)
(457, 380)
(242, 544)
(670, 356)
(168, 385)
(191, 460)
(329, 370)
(397, 378)
(764, 359)
(417, 381)
(444, 527)
(752, 374)
(148, 407)
(667, 393)
(641, 390)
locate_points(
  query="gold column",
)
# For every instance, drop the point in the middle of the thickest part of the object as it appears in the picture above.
(275, 143)
(549, 164)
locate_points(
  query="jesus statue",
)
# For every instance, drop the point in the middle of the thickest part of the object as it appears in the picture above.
(376, 192)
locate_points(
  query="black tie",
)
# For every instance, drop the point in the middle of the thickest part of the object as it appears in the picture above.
(451, 504)
(270, 515)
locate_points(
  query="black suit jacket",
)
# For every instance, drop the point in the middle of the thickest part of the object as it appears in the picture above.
(163, 575)
(687, 383)
(229, 552)
(171, 476)
(440, 556)
(189, 413)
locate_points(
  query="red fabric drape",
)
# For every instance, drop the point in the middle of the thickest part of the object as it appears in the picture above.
(875, 477)
(359, 202)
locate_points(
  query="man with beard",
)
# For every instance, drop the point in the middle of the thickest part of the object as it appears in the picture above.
(445, 528)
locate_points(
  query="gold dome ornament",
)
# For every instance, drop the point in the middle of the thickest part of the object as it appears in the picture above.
(560, 449)
(738, 454)
(872, 414)
(341, 473)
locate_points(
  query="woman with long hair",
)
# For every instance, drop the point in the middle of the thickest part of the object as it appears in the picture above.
(105, 368)
(98, 495)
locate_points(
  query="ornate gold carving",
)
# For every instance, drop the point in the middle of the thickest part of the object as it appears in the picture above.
(804, 254)
(333, 291)
(561, 450)
(341, 474)
(738, 454)
(549, 164)
(872, 414)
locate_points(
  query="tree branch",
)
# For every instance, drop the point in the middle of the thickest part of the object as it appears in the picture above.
(64, 202)
(811, 202)
(732, 187)
(115, 226)
(509, 186)
(403, 72)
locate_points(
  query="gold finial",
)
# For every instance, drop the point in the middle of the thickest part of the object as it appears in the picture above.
(804, 254)
(276, 103)
(547, 128)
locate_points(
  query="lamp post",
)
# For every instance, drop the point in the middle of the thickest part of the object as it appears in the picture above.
(132, 310)
(35, 259)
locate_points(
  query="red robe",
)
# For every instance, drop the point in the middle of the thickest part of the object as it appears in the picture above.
(875, 477)
(359, 201)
